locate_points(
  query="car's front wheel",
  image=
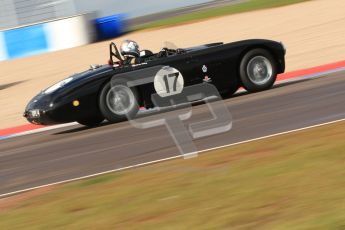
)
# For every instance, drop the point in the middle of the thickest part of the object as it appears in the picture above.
(258, 70)
(118, 102)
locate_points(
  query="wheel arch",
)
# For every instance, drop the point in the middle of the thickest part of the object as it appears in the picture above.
(271, 50)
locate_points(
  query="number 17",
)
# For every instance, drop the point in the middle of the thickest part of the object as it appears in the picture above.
(175, 75)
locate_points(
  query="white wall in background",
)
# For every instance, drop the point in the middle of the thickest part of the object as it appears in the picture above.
(68, 33)
(3, 52)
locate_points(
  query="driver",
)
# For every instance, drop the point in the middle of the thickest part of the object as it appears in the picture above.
(130, 50)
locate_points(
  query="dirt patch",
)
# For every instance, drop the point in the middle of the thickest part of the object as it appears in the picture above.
(313, 32)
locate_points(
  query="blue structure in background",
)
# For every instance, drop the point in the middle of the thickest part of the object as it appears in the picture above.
(25, 41)
(110, 26)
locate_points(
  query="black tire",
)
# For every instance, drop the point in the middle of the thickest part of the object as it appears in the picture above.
(91, 121)
(258, 70)
(105, 105)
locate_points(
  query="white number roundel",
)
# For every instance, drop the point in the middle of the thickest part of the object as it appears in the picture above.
(168, 81)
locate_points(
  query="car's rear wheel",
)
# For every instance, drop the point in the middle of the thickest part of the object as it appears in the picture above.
(91, 121)
(118, 102)
(258, 70)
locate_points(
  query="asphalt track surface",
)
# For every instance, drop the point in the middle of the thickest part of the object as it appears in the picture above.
(67, 153)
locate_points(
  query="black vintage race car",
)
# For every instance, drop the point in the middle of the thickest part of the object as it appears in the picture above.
(102, 93)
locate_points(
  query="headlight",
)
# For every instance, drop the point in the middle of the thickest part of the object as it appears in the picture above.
(36, 113)
(57, 85)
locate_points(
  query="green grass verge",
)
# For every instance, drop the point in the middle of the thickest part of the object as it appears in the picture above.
(294, 181)
(249, 5)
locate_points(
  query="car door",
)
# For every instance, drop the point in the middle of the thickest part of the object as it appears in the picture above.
(210, 65)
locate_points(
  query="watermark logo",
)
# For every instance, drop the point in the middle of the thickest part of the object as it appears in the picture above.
(174, 102)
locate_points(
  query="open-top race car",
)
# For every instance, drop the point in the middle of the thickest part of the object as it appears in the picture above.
(109, 92)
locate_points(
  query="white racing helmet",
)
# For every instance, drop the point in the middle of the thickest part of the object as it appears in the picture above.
(129, 48)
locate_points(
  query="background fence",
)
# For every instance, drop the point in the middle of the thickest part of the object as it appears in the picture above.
(22, 12)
